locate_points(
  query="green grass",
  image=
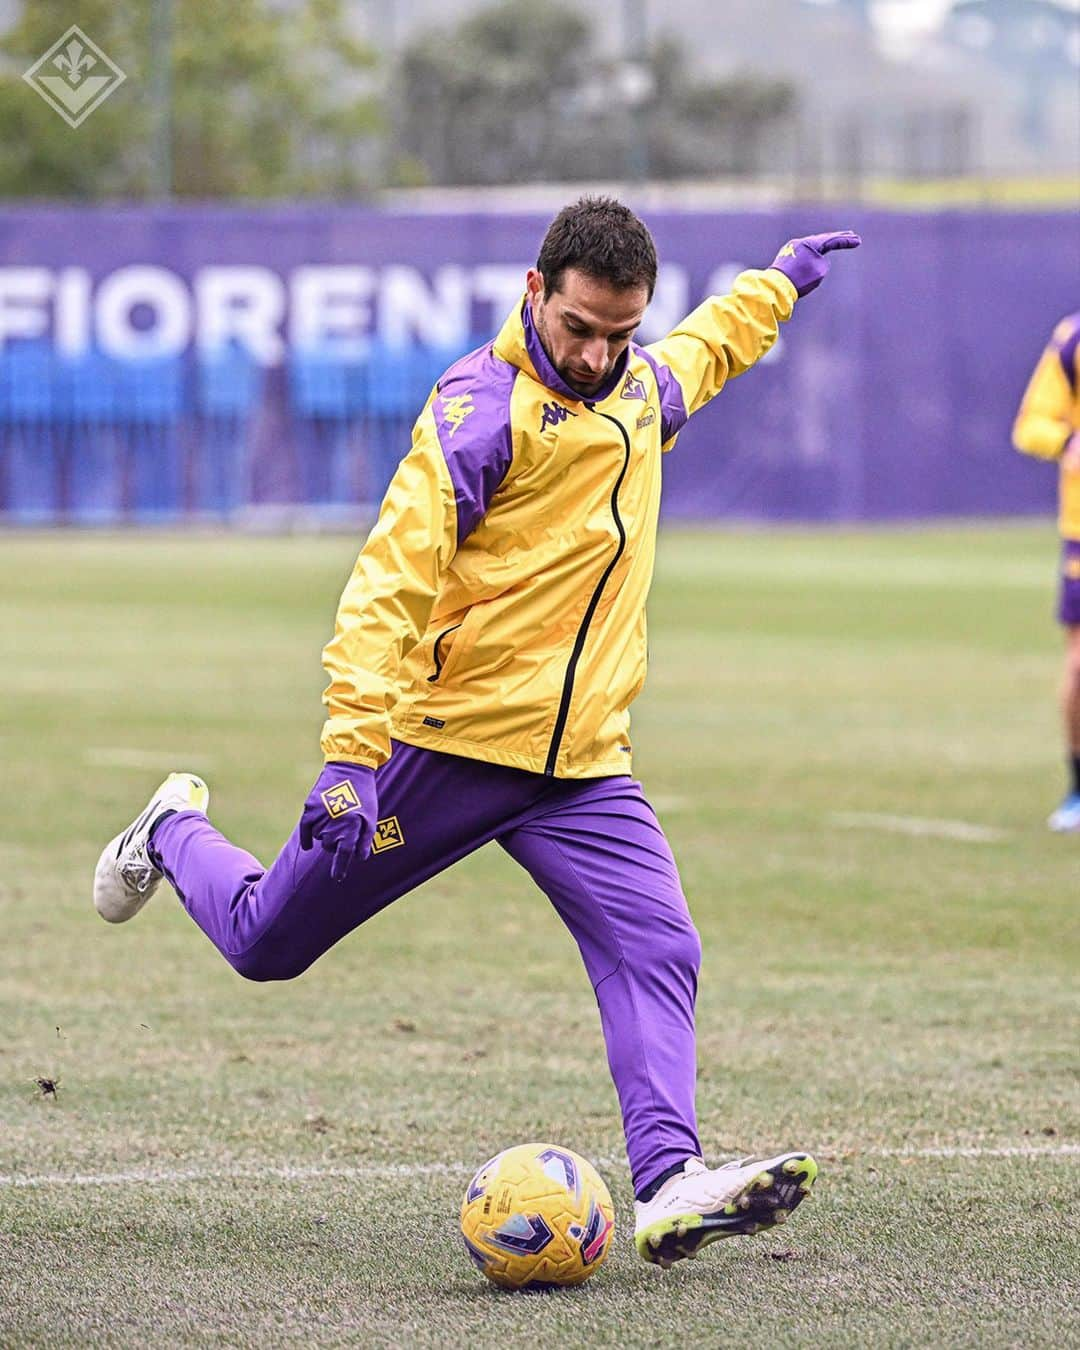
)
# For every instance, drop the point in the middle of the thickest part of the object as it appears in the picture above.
(866, 994)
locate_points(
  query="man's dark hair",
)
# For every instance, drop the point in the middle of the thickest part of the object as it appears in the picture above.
(602, 238)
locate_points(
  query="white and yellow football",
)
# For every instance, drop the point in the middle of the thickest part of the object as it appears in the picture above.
(537, 1216)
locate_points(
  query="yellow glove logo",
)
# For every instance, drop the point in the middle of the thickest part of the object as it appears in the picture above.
(788, 251)
(340, 799)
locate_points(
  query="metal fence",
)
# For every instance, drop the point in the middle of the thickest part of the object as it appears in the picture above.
(98, 440)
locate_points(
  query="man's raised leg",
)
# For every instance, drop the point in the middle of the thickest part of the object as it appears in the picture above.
(271, 924)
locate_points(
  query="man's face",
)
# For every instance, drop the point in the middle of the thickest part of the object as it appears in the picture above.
(585, 325)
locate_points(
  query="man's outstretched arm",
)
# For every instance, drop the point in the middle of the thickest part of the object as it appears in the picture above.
(727, 334)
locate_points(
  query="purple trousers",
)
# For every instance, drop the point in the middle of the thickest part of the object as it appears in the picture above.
(593, 846)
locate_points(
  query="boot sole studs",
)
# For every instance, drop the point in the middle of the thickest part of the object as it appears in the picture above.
(767, 1201)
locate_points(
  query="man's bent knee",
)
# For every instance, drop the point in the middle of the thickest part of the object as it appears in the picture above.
(262, 965)
(674, 949)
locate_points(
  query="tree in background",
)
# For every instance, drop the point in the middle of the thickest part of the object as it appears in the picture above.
(516, 94)
(262, 102)
(486, 102)
(713, 126)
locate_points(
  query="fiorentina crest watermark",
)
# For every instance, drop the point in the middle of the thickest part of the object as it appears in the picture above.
(74, 76)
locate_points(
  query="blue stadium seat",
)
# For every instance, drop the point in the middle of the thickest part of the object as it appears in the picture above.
(88, 387)
(31, 446)
(28, 375)
(390, 381)
(228, 384)
(152, 390)
(152, 405)
(318, 385)
(90, 402)
(326, 395)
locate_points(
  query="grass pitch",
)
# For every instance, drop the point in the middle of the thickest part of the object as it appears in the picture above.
(853, 744)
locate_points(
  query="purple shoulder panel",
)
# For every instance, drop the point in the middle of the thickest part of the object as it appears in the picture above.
(673, 414)
(1067, 352)
(472, 414)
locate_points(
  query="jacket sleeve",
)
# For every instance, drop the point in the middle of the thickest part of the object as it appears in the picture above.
(387, 601)
(720, 339)
(1045, 420)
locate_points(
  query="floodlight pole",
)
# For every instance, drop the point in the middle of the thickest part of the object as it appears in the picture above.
(161, 31)
(635, 55)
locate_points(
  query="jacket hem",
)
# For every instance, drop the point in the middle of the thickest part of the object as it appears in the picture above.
(511, 759)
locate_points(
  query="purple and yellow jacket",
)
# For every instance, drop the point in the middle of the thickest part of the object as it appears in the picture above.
(497, 609)
(1050, 413)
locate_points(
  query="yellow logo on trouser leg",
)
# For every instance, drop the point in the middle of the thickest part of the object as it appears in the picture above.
(340, 799)
(387, 835)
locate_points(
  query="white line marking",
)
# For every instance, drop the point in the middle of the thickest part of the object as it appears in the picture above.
(919, 826)
(117, 757)
(1020, 1151)
(141, 1177)
(317, 1172)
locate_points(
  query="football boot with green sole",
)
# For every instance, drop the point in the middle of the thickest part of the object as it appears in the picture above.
(701, 1205)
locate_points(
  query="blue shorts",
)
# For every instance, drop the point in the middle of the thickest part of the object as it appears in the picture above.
(1069, 593)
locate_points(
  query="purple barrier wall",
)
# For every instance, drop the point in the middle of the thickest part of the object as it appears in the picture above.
(891, 394)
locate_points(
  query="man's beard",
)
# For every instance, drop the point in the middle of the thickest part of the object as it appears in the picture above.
(586, 387)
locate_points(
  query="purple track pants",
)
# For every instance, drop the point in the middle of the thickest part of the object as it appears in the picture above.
(593, 846)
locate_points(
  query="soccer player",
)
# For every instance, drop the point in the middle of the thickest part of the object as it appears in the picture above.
(1048, 426)
(486, 651)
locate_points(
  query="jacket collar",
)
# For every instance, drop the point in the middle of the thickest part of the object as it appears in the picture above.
(519, 343)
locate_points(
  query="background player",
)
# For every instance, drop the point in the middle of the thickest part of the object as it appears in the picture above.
(1048, 426)
(487, 648)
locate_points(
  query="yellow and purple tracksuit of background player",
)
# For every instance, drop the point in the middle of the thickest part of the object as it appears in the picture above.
(1049, 416)
(487, 648)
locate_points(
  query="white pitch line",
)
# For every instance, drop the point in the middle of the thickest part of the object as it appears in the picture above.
(919, 827)
(1019, 1151)
(357, 1172)
(167, 1177)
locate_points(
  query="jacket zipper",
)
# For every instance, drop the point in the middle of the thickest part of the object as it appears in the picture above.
(583, 631)
(435, 651)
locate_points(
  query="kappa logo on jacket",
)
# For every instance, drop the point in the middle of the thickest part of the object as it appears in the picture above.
(633, 388)
(456, 409)
(554, 413)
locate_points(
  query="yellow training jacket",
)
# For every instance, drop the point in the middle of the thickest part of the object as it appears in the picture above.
(497, 610)
(1050, 413)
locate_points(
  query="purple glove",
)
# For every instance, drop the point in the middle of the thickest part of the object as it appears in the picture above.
(340, 812)
(803, 261)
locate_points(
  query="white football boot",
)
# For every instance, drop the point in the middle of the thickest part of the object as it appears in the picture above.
(702, 1204)
(1066, 819)
(125, 877)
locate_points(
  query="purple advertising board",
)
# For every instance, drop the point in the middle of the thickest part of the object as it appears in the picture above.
(890, 395)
